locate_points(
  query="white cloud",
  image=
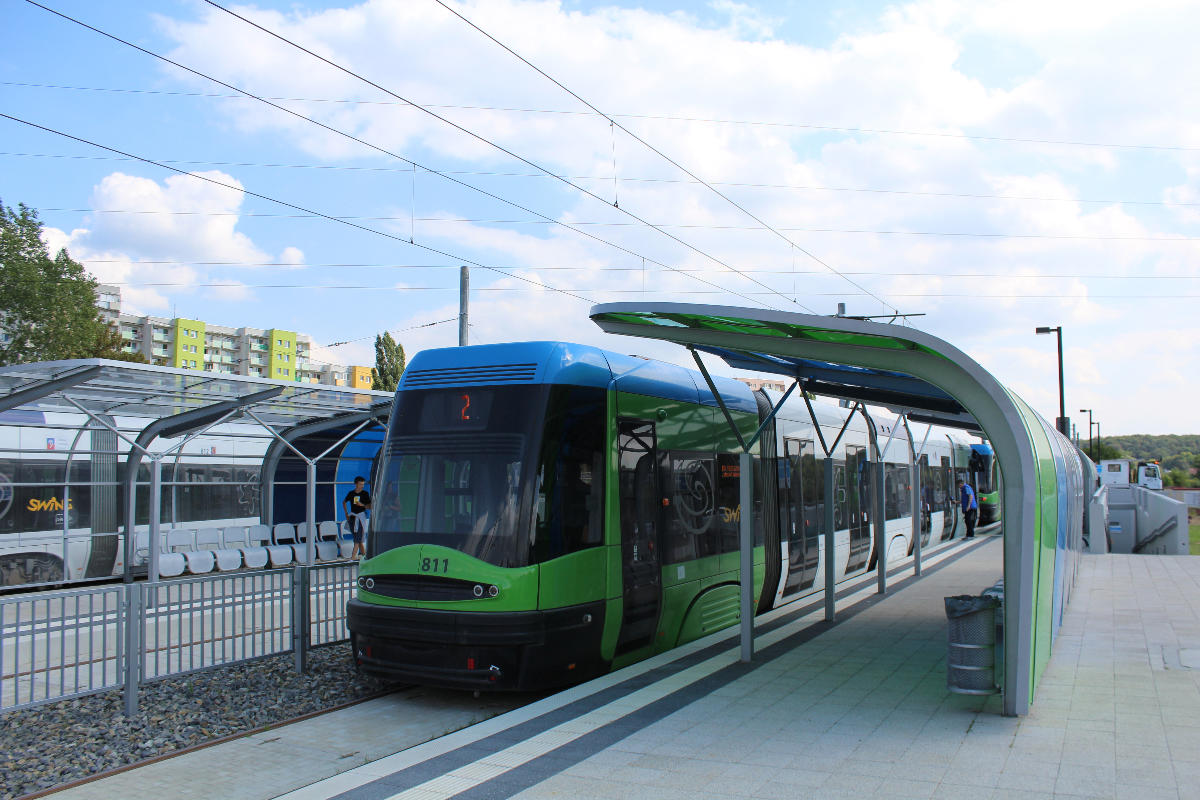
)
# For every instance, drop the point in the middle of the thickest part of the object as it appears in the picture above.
(159, 240)
(927, 222)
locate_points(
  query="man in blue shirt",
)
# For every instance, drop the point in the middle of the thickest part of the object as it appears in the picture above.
(970, 506)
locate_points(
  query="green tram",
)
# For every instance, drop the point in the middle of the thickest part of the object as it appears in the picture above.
(544, 512)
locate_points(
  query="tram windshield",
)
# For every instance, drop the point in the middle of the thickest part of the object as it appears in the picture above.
(510, 475)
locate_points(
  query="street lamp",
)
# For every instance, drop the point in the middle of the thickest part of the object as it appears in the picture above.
(1063, 424)
(1091, 452)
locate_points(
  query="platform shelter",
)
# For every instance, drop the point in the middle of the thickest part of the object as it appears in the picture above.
(925, 380)
(142, 413)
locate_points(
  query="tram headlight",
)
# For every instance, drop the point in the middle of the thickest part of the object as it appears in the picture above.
(370, 583)
(493, 591)
(478, 590)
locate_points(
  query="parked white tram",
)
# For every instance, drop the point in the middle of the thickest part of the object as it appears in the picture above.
(62, 503)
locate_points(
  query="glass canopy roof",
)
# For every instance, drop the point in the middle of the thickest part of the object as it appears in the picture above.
(766, 333)
(139, 390)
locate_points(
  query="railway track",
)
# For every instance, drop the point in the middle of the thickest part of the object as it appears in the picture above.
(212, 743)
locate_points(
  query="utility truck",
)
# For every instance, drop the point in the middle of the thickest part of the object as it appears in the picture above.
(1117, 471)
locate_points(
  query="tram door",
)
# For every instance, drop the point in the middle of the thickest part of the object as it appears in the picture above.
(945, 498)
(641, 502)
(925, 482)
(799, 513)
(857, 493)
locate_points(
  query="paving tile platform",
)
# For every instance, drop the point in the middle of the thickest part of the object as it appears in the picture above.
(854, 709)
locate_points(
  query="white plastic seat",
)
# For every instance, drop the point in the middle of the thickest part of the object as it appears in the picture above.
(255, 554)
(345, 541)
(141, 546)
(210, 540)
(171, 564)
(328, 544)
(281, 553)
(179, 540)
(301, 544)
(200, 561)
(234, 537)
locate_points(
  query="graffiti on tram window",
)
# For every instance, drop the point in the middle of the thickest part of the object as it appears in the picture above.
(690, 506)
(211, 491)
(248, 493)
(692, 493)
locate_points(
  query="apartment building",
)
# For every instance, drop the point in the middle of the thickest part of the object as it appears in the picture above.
(195, 344)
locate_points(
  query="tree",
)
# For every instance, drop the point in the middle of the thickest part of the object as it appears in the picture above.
(47, 305)
(1105, 450)
(1179, 479)
(389, 363)
(110, 345)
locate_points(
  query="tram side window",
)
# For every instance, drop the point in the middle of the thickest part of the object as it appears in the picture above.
(204, 492)
(897, 491)
(570, 500)
(813, 481)
(729, 501)
(638, 489)
(690, 487)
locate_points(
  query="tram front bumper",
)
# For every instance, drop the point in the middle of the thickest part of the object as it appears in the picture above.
(505, 650)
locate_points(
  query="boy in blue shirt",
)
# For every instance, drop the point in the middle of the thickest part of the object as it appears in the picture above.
(970, 506)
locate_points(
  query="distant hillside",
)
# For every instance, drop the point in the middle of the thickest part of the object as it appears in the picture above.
(1174, 451)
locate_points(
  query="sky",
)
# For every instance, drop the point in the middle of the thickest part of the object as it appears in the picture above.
(994, 168)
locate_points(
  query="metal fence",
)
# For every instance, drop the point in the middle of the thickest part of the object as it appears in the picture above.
(65, 644)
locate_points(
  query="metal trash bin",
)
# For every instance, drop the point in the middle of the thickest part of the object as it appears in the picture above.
(971, 644)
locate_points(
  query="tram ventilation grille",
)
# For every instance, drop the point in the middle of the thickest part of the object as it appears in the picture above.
(462, 376)
(505, 445)
(427, 587)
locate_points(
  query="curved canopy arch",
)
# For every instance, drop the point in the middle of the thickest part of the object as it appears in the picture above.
(907, 371)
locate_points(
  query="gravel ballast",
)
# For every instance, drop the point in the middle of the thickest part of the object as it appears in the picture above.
(52, 744)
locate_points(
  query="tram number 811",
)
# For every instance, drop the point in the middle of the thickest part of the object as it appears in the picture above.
(441, 565)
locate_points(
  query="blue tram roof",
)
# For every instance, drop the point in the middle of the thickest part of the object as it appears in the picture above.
(566, 363)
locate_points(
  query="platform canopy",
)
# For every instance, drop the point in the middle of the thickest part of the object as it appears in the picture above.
(178, 404)
(123, 388)
(902, 369)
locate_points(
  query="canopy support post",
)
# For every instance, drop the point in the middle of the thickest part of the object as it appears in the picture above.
(153, 575)
(712, 387)
(746, 550)
(881, 554)
(830, 581)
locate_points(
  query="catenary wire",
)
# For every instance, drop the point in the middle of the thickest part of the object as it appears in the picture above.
(397, 330)
(658, 153)
(635, 179)
(659, 117)
(289, 205)
(506, 151)
(513, 289)
(292, 267)
(414, 164)
(709, 227)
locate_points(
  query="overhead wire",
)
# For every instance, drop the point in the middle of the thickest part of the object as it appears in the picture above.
(395, 330)
(639, 179)
(292, 267)
(510, 289)
(504, 150)
(596, 223)
(289, 205)
(385, 151)
(661, 117)
(659, 153)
